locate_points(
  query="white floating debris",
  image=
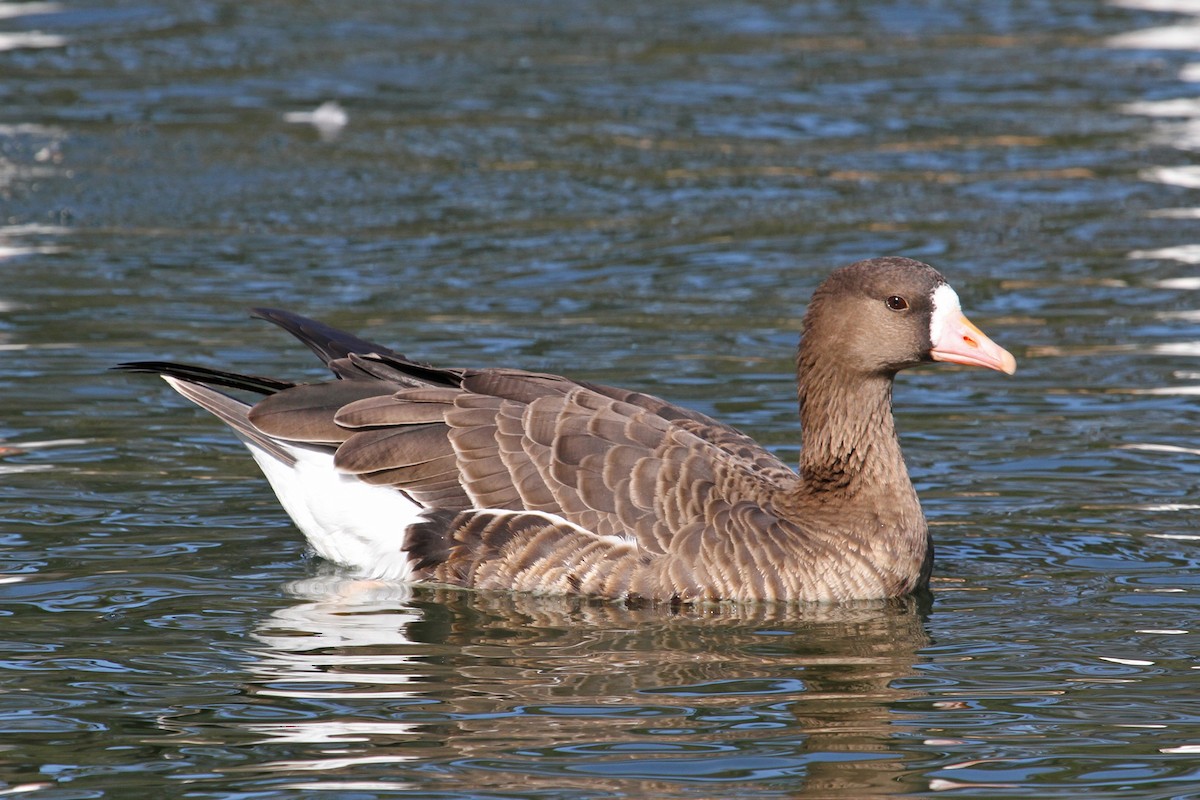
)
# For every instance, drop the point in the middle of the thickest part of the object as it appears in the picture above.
(1183, 748)
(1131, 662)
(328, 118)
(1165, 631)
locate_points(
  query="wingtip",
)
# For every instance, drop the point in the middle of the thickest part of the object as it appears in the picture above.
(144, 367)
(266, 312)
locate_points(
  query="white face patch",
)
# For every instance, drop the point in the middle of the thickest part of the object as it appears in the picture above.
(945, 308)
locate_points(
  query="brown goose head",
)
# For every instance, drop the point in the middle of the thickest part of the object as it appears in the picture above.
(874, 318)
(867, 322)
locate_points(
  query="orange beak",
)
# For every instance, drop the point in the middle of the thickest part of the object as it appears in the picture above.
(960, 342)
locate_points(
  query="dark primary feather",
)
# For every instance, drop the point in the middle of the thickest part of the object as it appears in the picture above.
(350, 357)
(210, 377)
(327, 342)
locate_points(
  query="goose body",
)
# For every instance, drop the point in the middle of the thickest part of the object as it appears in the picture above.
(504, 479)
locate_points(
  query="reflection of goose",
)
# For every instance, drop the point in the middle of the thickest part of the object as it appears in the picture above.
(344, 644)
(341, 611)
(495, 687)
(513, 480)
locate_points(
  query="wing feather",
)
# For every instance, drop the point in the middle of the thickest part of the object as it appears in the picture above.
(306, 413)
(546, 475)
(406, 407)
(535, 482)
(395, 447)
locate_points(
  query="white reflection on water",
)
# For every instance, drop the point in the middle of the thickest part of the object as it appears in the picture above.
(10, 10)
(23, 240)
(23, 40)
(346, 643)
(31, 40)
(20, 448)
(1177, 120)
(1181, 35)
(943, 785)
(23, 788)
(1169, 37)
(349, 786)
(1187, 177)
(1184, 253)
(334, 731)
(14, 173)
(1179, 283)
(1175, 213)
(1129, 662)
(1190, 349)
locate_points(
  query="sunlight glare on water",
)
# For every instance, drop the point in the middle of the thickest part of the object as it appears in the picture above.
(641, 195)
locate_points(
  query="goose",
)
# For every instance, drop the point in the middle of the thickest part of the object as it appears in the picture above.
(501, 479)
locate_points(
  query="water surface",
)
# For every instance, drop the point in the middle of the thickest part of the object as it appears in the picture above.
(638, 195)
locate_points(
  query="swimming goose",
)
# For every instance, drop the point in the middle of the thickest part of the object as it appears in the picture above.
(503, 479)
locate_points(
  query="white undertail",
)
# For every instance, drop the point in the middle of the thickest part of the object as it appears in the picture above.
(345, 520)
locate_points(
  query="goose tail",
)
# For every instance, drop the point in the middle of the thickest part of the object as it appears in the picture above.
(346, 520)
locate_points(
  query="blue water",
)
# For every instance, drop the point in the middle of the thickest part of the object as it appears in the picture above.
(641, 195)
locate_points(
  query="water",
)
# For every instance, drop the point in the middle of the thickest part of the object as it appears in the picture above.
(642, 195)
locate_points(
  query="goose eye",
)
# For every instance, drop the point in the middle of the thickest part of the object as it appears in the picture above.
(897, 303)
